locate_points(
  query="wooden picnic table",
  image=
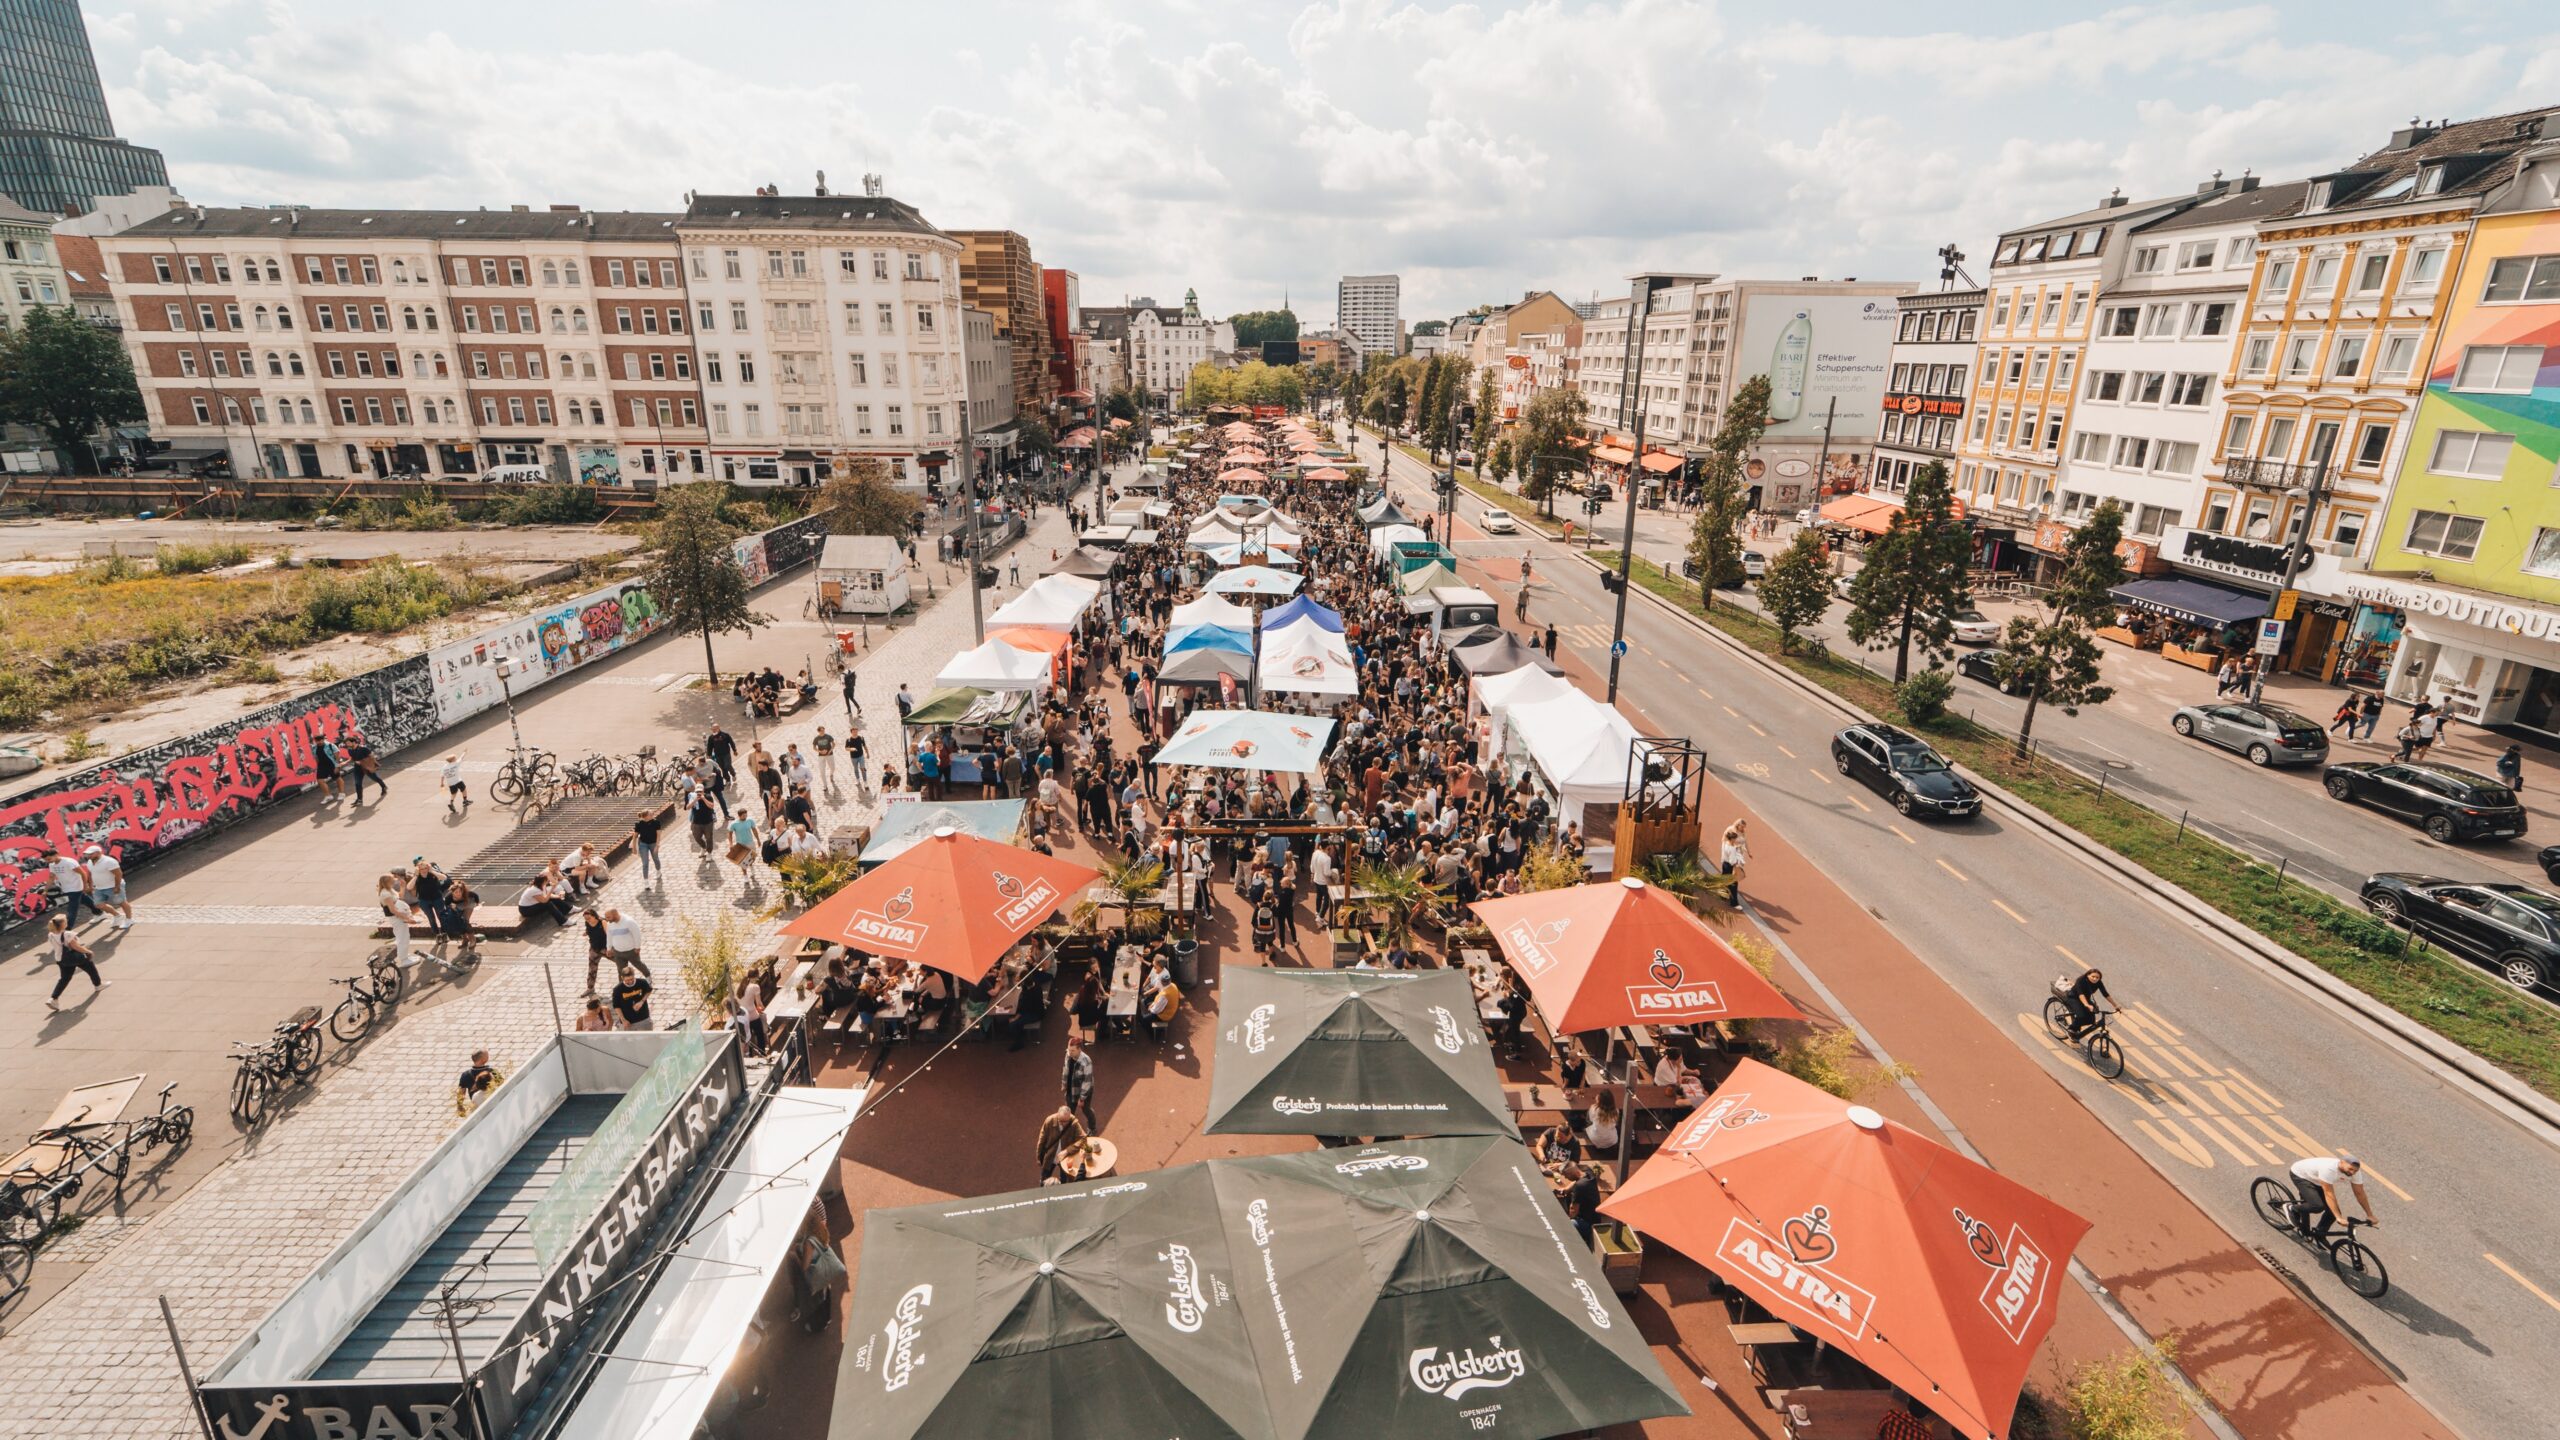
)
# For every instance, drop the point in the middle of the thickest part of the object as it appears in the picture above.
(1763, 1332)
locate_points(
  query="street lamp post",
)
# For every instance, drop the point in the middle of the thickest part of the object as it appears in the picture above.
(1630, 388)
(2297, 551)
(507, 668)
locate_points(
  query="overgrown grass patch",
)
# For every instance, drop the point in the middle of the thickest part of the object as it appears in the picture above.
(2437, 991)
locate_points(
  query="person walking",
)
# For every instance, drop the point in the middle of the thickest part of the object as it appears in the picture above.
(1078, 1081)
(2370, 712)
(906, 703)
(2345, 718)
(742, 847)
(1061, 1132)
(2429, 726)
(631, 999)
(367, 766)
(1733, 856)
(823, 746)
(622, 942)
(454, 788)
(2408, 738)
(2511, 767)
(852, 702)
(391, 893)
(722, 747)
(1551, 640)
(70, 955)
(644, 843)
(106, 886)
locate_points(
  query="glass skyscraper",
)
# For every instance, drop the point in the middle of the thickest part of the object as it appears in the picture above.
(58, 147)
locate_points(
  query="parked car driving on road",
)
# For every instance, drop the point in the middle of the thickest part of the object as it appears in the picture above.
(1901, 767)
(2514, 930)
(2267, 734)
(1497, 521)
(2450, 803)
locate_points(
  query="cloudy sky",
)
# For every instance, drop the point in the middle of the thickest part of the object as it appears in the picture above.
(1255, 147)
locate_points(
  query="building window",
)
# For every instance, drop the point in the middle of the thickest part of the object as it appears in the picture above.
(2475, 454)
(2399, 356)
(2217, 514)
(2322, 282)
(2160, 322)
(2434, 532)
(2348, 359)
(2370, 272)
(2174, 457)
(2196, 255)
(897, 420)
(2279, 280)
(2106, 384)
(2000, 312)
(2132, 451)
(2148, 385)
(2543, 556)
(2426, 267)
(2120, 322)
(2504, 369)
(746, 368)
(2190, 390)
(857, 372)
(2149, 259)
(2210, 319)
(2523, 277)
(2372, 443)
(2153, 519)
(2297, 355)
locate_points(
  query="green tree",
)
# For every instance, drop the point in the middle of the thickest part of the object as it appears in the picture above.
(1037, 438)
(1488, 411)
(1253, 327)
(1538, 447)
(1715, 540)
(1796, 588)
(1355, 392)
(859, 500)
(1497, 460)
(693, 568)
(1439, 418)
(68, 378)
(2051, 656)
(1915, 580)
(1126, 403)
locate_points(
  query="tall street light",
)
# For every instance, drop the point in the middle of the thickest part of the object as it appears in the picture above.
(1639, 314)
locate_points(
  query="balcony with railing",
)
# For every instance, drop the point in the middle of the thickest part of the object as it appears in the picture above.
(2261, 473)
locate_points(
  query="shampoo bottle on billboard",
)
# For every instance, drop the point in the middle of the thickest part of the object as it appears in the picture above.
(1789, 363)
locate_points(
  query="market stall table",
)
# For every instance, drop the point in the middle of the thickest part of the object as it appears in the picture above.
(1091, 1164)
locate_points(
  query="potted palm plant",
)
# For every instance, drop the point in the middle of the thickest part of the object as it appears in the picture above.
(1398, 895)
(1682, 874)
(711, 962)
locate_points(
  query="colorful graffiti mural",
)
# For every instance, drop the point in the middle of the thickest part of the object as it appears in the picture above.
(142, 805)
(540, 645)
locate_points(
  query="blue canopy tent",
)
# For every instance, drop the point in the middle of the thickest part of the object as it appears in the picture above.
(1209, 637)
(902, 826)
(1302, 608)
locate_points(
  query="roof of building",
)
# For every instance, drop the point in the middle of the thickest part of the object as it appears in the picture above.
(298, 222)
(2121, 210)
(810, 212)
(2472, 153)
(81, 264)
(2233, 207)
(11, 210)
(1933, 299)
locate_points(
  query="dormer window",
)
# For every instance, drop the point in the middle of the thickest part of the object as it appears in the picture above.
(2431, 180)
(2318, 198)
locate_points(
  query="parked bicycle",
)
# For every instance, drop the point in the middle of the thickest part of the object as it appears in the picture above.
(17, 1262)
(269, 1067)
(368, 996)
(57, 1161)
(2352, 1259)
(526, 771)
(2097, 1046)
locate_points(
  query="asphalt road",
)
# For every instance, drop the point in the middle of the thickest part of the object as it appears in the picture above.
(2234, 1070)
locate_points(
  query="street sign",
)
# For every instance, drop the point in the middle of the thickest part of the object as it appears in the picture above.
(2270, 636)
(1618, 650)
(2285, 603)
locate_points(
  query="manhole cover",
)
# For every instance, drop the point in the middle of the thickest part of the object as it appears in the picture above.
(2115, 764)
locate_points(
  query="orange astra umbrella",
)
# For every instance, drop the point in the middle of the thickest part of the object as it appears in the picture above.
(1937, 1273)
(1625, 953)
(953, 901)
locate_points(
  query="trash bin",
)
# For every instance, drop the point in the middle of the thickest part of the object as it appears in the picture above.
(1186, 963)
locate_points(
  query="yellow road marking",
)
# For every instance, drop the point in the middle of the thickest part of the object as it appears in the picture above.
(1817, 774)
(1950, 869)
(1861, 804)
(1736, 714)
(1783, 750)
(2005, 910)
(2405, 1197)
(2074, 959)
(2538, 1292)
(1702, 690)
(1907, 840)
(1756, 730)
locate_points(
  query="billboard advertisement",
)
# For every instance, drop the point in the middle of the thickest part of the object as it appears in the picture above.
(1816, 349)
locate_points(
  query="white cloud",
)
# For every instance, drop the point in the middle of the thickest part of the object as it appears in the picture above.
(1480, 149)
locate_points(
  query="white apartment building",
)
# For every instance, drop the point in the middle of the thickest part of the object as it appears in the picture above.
(30, 272)
(1165, 344)
(991, 398)
(2151, 378)
(830, 328)
(1924, 397)
(1371, 307)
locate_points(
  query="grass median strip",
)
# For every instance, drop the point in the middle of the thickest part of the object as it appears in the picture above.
(2432, 989)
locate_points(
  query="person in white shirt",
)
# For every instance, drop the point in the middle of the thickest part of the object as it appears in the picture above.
(106, 887)
(622, 941)
(1602, 1127)
(584, 867)
(2315, 1183)
(1670, 1070)
(71, 879)
(454, 789)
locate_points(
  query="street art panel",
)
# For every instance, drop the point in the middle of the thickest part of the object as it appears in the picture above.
(540, 645)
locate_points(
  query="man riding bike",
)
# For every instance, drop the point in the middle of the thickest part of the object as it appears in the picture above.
(2081, 995)
(2316, 1181)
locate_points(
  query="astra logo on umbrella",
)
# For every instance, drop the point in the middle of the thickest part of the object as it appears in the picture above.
(1243, 749)
(1668, 999)
(1491, 1368)
(1727, 1113)
(2020, 1274)
(1798, 1268)
(1534, 946)
(1024, 904)
(1305, 667)
(889, 928)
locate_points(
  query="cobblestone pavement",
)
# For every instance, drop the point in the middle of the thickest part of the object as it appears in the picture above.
(93, 1361)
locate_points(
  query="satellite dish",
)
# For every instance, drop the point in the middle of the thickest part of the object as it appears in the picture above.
(2258, 528)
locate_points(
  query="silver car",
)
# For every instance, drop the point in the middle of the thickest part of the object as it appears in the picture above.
(2267, 734)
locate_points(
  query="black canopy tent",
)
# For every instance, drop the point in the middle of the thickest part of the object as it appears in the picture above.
(2198, 602)
(1418, 1288)
(1353, 1052)
(1500, 654)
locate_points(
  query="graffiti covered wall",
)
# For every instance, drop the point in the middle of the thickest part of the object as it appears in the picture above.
(142, 805)
(540, 645)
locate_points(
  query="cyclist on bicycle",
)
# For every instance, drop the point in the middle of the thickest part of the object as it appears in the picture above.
(2316, 1181)
(2081, 995)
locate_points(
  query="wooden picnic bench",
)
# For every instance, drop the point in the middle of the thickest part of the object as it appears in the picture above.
(501, 921)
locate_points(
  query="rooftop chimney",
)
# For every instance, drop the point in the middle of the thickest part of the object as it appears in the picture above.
(2415, 132)
(2115, 199)
(564, 209)
(521, 209)
(2214, 186)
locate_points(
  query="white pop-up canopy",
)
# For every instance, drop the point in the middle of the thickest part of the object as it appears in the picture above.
(1054, 602)
(1528, 685)
(1384, 539)
(996, 666)
(1580, 745)
(1211, 610)
(1305, 658)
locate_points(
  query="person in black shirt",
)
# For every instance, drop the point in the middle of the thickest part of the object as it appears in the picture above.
(644, 843)
(800, 809)
(723, 750)
(631, 999)
(596, 945)
(477, 1080)
(1582, 1199)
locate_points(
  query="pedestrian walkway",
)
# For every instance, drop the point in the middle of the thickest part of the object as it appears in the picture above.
(93, 1361)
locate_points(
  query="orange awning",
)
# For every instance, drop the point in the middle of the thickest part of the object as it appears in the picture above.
(1848, 510)
(1612, 455)
(1936, 1273)
(1661, 464)
(1624, 953)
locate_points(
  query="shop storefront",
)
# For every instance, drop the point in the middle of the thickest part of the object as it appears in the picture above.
(2317, 633)
(2488, 659)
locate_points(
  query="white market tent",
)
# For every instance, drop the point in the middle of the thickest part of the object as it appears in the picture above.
(1528, 685)
(996, 666)
(1305, 658)
(1211, 610)
(1259, 580)
(861, 575)
(1055, 602)
(1382, 541)
(1580, 745)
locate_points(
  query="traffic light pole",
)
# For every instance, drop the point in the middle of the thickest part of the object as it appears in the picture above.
(2295, 556)
(1631, 393)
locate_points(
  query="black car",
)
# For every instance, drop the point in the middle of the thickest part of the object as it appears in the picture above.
(2452, 804)
(1904, 770)
(2514, 930)
(1984, 665)
(2549, 859)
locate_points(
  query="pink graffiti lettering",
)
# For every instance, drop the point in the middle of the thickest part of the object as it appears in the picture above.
(602, 621)
(134, 814)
